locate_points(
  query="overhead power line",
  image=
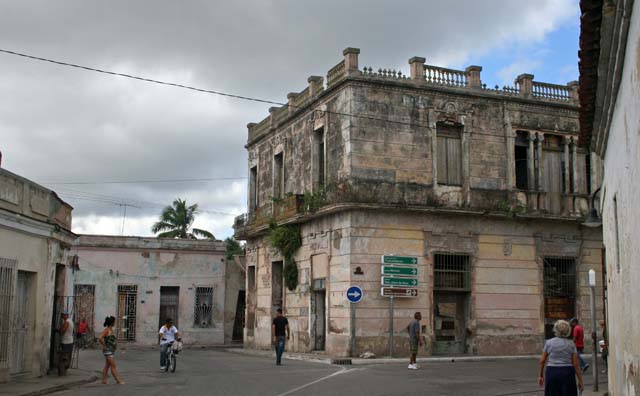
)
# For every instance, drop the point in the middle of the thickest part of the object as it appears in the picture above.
(151, 80)
(148, 181)
(235, 96)
(121, 201)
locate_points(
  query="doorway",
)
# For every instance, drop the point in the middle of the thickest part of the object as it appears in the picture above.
(559, 291)
(318, 313)
(126, 312)
(277, 289)
(452, 288)
(23, 324)
(169, 296)
(238, 323)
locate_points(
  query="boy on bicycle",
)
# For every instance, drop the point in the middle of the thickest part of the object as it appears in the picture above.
(167, 335)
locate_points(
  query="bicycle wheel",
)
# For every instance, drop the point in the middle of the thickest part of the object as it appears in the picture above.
(173, 363)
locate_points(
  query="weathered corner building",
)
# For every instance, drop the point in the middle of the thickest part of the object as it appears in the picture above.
(35, 238)
(144, 280)
(486, 186)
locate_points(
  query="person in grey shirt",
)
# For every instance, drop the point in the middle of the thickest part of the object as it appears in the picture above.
(415, 339)
(561, 360)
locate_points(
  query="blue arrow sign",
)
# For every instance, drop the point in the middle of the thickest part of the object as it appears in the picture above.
(354, 294)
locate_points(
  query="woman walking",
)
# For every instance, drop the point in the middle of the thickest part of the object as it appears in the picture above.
(109, 343)
(562, 366)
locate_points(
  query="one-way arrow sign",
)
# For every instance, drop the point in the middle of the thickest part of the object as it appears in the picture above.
(354, 294)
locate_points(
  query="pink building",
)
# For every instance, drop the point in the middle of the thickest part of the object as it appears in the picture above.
(144, 280)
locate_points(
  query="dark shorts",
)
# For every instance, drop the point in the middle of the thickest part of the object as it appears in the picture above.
(414, 345)
(67, 348)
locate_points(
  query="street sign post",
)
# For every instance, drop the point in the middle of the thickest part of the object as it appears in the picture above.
(354, 294)
(399, 271)
(398, 292)
(404, 260)
(402, 282)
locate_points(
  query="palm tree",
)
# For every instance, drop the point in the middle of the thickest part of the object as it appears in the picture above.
(176, 220)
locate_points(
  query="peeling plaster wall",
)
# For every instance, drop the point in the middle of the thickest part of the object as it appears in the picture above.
(151, 263)
(295, 140)
(506, 302)
(621, 222)
(34, 232)
(380, 164)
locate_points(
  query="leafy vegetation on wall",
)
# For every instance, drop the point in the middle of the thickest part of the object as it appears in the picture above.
(287, 239)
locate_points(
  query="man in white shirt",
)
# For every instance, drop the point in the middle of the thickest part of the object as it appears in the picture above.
(66, 341)
(166, 336)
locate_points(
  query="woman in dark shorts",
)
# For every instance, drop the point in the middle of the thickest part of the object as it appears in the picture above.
(562, 367)
(109, 344)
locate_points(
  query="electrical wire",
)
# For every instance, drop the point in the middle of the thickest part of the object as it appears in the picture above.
(148, 181)
(235, 96)
(120, 201)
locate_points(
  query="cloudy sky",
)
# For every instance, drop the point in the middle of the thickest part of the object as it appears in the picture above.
(61, 125)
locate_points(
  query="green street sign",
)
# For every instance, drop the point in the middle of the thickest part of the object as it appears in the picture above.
(399, 260)
(406, 282)
(400, 271)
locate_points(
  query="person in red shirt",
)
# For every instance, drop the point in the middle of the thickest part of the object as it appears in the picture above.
(83, 329)
(578, 339)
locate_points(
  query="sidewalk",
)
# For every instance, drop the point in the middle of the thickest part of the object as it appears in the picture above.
(321, 358)
(47, 384)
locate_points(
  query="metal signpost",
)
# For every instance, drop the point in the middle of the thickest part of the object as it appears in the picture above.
(399, 279)
(594, 354)
(354, 295)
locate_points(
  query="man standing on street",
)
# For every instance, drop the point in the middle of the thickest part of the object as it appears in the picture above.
(415, 340)
(66, 340)
(578, 339)
(279, 330)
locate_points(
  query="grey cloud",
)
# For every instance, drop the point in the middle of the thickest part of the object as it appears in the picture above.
(60, 124)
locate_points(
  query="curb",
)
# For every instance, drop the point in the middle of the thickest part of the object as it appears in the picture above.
(360, 361)
(61, 387)
(186, 347)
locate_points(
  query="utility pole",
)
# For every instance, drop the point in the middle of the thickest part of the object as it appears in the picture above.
(124, 216)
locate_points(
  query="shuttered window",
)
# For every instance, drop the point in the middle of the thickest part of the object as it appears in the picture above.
(449, 155)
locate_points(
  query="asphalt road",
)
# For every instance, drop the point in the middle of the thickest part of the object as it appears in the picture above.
(206, 372)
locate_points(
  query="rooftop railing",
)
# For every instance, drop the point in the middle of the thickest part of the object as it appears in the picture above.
(421, 74)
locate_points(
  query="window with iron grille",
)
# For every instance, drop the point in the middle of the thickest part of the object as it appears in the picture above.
(451, 272)
(559, 277)
(203, 312)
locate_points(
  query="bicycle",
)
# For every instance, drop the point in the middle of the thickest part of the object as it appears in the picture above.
(172, 351)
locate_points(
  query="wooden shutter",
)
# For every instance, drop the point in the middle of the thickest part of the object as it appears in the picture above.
(552, 179)
(442, 161)
(454, 161)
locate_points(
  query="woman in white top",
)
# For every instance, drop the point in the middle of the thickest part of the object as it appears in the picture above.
(561, 359)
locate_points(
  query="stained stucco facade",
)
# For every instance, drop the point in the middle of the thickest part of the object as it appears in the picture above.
(35, 239)
(432, 164)
(610, 98)
(143, 280)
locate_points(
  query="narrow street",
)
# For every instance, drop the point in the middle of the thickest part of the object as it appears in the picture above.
(224, 373)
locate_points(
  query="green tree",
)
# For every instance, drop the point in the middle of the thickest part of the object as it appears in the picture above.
(233, 248)
(176, 220)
